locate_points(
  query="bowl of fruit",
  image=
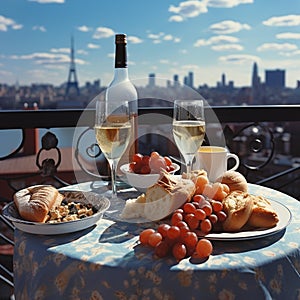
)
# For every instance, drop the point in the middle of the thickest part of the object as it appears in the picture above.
(145, 170)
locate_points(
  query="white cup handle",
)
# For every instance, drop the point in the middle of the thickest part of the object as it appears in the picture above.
(237, 161)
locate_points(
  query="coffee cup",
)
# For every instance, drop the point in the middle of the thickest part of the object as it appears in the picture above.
(214, 160)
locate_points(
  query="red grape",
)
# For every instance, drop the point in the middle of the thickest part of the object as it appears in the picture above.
(162, 249)
(204, 248)
(189, 208)
(190, 239)
(206, 226)
(173, 232)
(163, 229)
(154, 239)
(179, 251)
(176, 217)
(144, 235)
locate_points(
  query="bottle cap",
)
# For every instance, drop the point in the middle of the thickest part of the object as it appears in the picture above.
(121, 39)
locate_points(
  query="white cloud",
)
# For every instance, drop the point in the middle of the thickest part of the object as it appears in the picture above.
(176, 18)
(44, 58)
(168, 37)
(39, 28)
(227, 47)
(60, 50)
(187, 9)
(84, 28)
(103, 32)
(82, 52)
(227, 3)
(290, 53)
(17, 26)
(6, 23)
(134, 39)
(215, 40)
(288, 20)
(155, 36)
(288, 35)
(228, 26)
(277, 47)
(239, 58)
(48, 1)
(93, 46)
(161, 36)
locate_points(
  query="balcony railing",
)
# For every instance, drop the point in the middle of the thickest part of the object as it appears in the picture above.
(265, 138)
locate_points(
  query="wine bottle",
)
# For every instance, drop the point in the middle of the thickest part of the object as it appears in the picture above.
(121, 89)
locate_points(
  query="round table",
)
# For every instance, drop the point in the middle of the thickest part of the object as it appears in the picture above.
(107, 262)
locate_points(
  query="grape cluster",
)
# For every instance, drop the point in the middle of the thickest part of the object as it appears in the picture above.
(179, 237)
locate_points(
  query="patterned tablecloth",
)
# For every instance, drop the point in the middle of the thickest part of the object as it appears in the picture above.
(106, 262)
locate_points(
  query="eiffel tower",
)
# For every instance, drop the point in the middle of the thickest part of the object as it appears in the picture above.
(72, 84)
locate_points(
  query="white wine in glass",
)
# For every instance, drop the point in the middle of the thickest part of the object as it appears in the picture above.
(188, 128)
(113, 131)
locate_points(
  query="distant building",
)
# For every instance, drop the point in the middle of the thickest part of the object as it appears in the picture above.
(255, 85)
(151, 82)
(275, 78)
(223, 80)
(189, 79)
(176, 80)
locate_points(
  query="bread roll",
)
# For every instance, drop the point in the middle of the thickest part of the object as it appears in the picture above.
(263, 215)
(33, 203)
(235, 180)
(238, 207)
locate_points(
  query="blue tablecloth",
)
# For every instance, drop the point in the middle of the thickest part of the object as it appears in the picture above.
(106, 262)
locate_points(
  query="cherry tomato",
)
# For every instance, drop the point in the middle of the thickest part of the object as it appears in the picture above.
(137, 157)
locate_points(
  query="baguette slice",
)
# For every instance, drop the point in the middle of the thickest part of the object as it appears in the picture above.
(238, 207)
(160, 200)
(33, 203)
(263, 215)
(166, 196)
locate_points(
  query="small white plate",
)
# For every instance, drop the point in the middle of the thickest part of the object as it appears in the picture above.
(284, 216)
(100, 202)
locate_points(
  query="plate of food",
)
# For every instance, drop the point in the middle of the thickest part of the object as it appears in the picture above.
(250, 211)
(45, 210)
(249, 232)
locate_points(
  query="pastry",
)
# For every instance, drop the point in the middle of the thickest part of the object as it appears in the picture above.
(235, 181)
(263, 215)
(238, 207)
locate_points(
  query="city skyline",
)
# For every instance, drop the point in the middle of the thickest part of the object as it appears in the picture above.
(208, 38)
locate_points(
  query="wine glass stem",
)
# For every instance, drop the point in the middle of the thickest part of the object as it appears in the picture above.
(188, 167)
(113, 167)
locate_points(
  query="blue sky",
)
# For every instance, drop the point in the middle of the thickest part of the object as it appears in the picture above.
(165, 37)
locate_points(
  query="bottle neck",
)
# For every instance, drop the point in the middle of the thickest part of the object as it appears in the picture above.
(120, 75)
(120, 56)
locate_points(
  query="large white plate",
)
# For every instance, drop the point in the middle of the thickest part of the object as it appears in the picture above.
(100, 202)
(284, 216)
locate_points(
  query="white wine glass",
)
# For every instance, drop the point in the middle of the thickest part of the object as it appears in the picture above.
(113, 131)
(188, 128)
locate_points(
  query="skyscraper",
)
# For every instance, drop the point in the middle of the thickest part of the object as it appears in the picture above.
(275, 78)
(256, 88)
(151, 82)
